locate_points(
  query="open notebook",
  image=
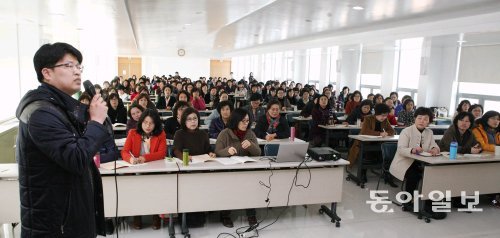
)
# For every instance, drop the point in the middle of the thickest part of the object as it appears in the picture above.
(119, 164)
(223, 160)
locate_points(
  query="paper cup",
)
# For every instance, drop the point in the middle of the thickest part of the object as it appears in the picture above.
(497, 150)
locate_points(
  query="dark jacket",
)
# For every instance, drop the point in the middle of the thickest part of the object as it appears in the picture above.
(321, 116)
(60, 186)
(355, 115)
(216, 126)
(301, 104)
(119, 115)
(282, 130)
(162, 103)
(465, 141)
(307, 110)
(258, 112)
(170, 126)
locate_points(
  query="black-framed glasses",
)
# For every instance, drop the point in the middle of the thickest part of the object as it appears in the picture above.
(69, 66)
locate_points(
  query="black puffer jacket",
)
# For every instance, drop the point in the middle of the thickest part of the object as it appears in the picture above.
(60, 186)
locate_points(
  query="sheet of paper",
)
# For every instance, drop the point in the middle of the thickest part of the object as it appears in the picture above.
(243, 159)
(200, 158)
(119, 164)
(370, 137)
(227, 161)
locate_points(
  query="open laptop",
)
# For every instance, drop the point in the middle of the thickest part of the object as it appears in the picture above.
(291, 152)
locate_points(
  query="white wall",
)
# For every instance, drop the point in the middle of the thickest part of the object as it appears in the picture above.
(186, 66)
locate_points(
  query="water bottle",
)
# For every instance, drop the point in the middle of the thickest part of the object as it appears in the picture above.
(97, 160)
(185, 157)
(453, 150)
(292, 133)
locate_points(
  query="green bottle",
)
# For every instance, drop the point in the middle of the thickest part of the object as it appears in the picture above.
(185, 157)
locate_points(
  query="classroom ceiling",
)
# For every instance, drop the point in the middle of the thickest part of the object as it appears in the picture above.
(214, 28)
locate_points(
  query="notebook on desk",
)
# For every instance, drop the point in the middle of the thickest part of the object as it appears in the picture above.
(292, 152)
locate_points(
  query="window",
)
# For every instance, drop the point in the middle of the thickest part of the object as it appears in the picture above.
(409, 67)
(331, 64)
(485, 94)
(289, 65)
(313, 65)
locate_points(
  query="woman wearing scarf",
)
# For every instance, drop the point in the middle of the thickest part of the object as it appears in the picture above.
(487, 131)
(271, 125)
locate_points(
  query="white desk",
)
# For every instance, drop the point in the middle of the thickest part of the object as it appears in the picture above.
(463, 174)
(153, 192)
(202, 191)
(9, 192)
(371, 144)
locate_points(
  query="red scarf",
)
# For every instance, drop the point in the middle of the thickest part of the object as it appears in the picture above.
(273, 122)
(240, 134)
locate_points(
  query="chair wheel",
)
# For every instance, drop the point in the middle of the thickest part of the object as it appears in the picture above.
(427, 220)
(187, 236)
(321, 211)
(348, 179)
(172, 236)
(332, 221)
(404, 209)
(362, 186)
(337, 224)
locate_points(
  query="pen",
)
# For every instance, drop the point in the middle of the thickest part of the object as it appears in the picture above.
(133, 157)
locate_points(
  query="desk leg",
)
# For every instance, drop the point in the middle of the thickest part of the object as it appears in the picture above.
(327, 139)
(358, 178)
(171, 228)
(332, 213)
(184, 228)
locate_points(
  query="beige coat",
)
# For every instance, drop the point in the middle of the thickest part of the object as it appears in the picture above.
(410, 138)
(227, 138)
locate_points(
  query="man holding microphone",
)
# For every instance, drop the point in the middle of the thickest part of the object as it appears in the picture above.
(60, 186)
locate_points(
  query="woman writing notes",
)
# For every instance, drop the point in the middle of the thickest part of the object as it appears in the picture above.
(144, 144)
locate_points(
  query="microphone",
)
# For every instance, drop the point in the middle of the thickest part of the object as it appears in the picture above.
(89, 88)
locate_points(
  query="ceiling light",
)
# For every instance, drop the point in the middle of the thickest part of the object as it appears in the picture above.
(461, 41)
(219, 46)
(187, 24)
(358, 8)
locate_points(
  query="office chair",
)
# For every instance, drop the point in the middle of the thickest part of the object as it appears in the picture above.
(271, 149)
(388, 152)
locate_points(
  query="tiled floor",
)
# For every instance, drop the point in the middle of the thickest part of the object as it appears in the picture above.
(357, 221)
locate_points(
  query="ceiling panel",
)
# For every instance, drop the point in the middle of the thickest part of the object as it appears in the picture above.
(212, 28)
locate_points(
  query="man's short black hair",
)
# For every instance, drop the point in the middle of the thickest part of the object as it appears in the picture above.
(255, 97)
(48, 55)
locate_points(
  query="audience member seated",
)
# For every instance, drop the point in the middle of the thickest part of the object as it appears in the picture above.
(414, 140)
(116, 110)
(460, 131)
(373, 125)
(487, 132)
(144, 144)
(255, 110)
(238, 140)
(405, 117)
(134, 113)
(391, 117)
(197, 101)
(172, 124)
(166, 101)
(355, 101)
(85, 98)
(359, 113)
(285, 104)
(304, 99)
(214, 114)
(218, 124)
(143, 100)
(183, 96)
(477, 111)
(190, 136)
(272, 125)
(322, 114)
(400, 107)
(463, 106)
